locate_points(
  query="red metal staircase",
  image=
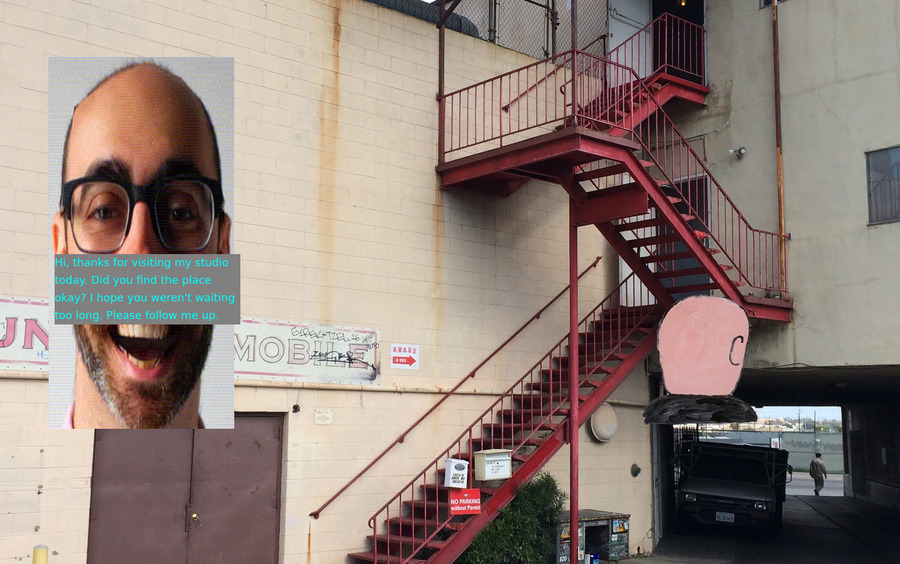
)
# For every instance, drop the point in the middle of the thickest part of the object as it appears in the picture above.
(606, 139)
(530, 419)
(597, 128)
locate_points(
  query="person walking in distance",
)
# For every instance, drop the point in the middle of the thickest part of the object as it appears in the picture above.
(818, 472)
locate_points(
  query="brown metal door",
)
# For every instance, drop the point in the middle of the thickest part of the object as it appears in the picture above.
(140, 483)
(193, 496)
(235, 494)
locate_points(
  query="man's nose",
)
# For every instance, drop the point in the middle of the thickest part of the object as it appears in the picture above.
(141, 238)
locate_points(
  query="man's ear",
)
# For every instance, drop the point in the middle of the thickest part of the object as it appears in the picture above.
(224, 235)
(59, 234)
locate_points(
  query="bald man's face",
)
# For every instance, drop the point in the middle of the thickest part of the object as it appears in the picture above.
(138, 127)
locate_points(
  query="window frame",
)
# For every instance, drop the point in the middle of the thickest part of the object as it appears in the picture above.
(889, 177)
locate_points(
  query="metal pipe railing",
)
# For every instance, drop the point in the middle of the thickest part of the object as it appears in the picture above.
(315, 514)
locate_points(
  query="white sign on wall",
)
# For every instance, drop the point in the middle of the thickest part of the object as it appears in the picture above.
(405, 357)
(24, 343)
(307, 352)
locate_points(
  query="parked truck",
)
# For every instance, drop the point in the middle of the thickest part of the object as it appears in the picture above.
(732, 485)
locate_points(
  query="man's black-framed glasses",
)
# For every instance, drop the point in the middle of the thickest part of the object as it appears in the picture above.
(183, 210)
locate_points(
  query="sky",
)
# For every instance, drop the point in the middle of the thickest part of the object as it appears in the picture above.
(806, 412)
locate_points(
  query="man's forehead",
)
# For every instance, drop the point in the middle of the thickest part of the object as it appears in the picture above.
(142, 116)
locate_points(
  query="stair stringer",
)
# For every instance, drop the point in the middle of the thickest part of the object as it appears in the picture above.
(554, 442)
(685, 233)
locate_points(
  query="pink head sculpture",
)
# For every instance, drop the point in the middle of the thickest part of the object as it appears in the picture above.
(702, 341)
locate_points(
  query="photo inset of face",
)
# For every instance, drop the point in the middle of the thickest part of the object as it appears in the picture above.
(142, 165)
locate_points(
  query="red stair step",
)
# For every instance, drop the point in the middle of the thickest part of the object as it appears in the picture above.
(674, 256)
(391, 544)
(669, 274)
(427, 506)
(654, 240)
(563, 373)
(427, 523)
(651, 222)
(383, 558)
(693, 288)
(508, 429)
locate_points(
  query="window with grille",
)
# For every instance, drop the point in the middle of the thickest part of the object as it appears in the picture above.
(883, 175)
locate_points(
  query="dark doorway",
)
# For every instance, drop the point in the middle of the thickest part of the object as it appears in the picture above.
(183, 495)
(692, 11)
(679, 48)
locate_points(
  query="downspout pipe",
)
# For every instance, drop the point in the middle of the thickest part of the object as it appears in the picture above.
(779, 162)
(574, 370)
(440, 92)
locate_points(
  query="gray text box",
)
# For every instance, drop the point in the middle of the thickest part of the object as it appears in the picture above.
(147, 289)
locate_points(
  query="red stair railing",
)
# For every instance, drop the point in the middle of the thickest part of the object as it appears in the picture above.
(608, 331)
(484, 115)
(639, 117)
(668, 45)
(497, 111)
(315, 514)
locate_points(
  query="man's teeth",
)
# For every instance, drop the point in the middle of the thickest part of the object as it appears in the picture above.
(144, 364)
(144, 331)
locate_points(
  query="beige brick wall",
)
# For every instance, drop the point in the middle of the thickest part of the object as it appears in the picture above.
(339, 219)
(45, 477)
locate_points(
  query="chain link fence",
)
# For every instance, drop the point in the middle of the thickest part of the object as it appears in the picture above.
(539, 28)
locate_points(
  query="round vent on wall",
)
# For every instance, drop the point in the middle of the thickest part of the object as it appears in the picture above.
(604, 423)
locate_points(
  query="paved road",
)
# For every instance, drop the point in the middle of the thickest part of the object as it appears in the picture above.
(802, 484)
(817, 530)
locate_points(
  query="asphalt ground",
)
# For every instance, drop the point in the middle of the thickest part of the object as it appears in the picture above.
(816, 530)
(802, 484)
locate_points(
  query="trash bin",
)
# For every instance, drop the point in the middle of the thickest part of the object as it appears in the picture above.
(602, 536)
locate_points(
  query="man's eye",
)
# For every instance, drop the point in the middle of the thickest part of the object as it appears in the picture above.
(182, 214)
(106, 213)
(103, 213)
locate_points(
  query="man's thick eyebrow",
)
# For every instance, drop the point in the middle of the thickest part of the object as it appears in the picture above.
(117, 169)
(173, 167)
(112, 169)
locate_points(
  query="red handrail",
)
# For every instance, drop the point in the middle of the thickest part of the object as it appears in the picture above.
(315, 514)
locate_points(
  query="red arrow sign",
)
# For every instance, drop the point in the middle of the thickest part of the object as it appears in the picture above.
(407, 360)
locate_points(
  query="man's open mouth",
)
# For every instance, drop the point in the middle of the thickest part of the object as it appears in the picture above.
(145, 345)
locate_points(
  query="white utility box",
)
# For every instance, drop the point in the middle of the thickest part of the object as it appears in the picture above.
(493, 464)
(457, 475)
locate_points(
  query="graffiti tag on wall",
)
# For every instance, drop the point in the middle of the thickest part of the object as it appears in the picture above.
(308, 352)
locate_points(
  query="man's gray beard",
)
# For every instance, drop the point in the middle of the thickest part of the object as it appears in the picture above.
(145, 405)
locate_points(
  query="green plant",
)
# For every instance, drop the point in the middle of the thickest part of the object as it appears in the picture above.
(525, 531)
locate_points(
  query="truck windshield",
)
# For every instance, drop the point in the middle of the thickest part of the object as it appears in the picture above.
(726, 468)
